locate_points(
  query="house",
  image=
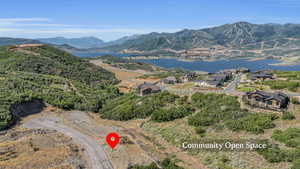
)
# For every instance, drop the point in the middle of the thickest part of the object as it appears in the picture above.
(228, 71)
(220, 77)
(261, 76)
(243, 70)
(273, 101)
(208, 83)
(169, 80)
(148, 88)
(188, 77)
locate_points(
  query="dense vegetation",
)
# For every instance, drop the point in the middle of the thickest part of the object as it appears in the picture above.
(52, 76)
(49, 60)
(131, 106)
(162, 115)
(291, 138)
(282, 84)
(291, 75)
(222, 109)
(288, 116)
(255, 123)
(211, 109)
(165, 164)
(125, 63)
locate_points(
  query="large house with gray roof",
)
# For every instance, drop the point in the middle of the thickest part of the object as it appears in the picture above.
(273, 101)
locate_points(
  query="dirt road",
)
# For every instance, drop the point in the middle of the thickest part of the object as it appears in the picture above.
(94, 151)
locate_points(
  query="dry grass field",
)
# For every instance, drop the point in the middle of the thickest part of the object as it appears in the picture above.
(43, 149)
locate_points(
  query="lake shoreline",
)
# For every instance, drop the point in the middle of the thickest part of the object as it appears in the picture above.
(282, 62)
(215, 64)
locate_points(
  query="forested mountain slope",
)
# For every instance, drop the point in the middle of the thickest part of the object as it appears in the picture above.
(45, 73)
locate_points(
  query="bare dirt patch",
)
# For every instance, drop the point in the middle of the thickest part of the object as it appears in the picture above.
(32, 149)
(129, 78)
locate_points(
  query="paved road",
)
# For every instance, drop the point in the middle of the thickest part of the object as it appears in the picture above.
(94, 151)
(231, 87)
(293, 94)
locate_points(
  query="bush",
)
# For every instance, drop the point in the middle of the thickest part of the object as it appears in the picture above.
(294, 100)
(273, 154)
(290, 137)
(216, 108)
(255, 123)
(287, 116)
(199, 130)
(130, 106)
(162, 115)
(282, 84)
(165, 164)
(296, 164)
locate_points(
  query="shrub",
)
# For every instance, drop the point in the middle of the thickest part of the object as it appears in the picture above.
(161, 115)
(282, 84)
(216, 108)
(199, 130)
(255, 123)
(296, 164)
(130, 106)
(165, 164)
(294, 100)
(290, 137)
(273, 154)
(287, 116)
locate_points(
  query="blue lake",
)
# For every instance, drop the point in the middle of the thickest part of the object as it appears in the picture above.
(207, 66)
(95, 54)
(214, 66)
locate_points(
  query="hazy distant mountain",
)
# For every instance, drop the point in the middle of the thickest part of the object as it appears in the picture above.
(83, 42)
(237, 35)
(121, 40)
(16, 41)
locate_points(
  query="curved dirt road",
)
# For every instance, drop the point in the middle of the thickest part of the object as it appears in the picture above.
(94, 151)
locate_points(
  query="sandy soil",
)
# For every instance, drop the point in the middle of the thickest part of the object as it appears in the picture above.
(129, 78)
(95, 153)
(38, 149)
(121, 74)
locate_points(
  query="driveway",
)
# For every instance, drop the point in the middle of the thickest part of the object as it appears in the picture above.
(94, 151)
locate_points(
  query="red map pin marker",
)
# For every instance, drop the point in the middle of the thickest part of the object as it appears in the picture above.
(112, 139)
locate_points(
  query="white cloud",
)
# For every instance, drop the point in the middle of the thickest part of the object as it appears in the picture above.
(44, 27)
(83, 30)
(15, 21)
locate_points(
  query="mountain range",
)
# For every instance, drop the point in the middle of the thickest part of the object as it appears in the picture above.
(4, 41)
(241, 39)
(237, 35)
(83, 42)
(80, 43)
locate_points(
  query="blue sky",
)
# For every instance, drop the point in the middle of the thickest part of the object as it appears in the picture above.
(112, 19)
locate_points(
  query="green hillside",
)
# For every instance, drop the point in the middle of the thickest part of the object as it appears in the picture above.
(16, 41)
(53, 76)
(52, 61)
(237, 35)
